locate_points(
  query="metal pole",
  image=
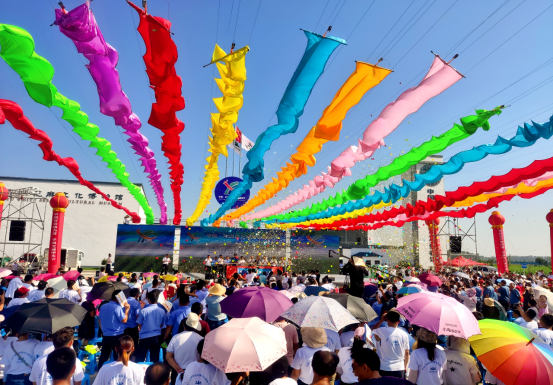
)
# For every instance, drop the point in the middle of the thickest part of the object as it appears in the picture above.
(226, 165)
(239, 163)
(233, 155)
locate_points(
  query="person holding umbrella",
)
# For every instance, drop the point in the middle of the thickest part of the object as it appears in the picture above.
(112, 320)
(63, 338)
(357, 272)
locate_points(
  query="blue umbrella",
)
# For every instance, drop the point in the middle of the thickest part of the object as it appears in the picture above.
(409, 290)
(506, 280)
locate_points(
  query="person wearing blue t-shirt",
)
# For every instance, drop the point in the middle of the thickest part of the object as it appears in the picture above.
(489, 291)
(131, 327)
(112, 319)
(504, 294)
(514, 296)
(174, 318)
(150, 322)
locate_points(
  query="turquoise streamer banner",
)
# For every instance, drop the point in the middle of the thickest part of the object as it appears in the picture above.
(525, 137)
(316, 55)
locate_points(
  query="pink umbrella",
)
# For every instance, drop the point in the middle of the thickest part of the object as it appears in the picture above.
(112, 278)
(71, 275)
(430, 279)
(254, 301)
(244, 344)
(10, 277)
(44, 277)
(438, 313)
(5, 272)
(146, 275)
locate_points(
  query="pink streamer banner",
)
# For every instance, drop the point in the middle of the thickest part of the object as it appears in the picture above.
(80, 26)
(440, 77)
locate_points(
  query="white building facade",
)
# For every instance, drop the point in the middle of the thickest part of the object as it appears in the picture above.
(90, 221)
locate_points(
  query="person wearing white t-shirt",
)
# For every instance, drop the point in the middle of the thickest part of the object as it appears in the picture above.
(121, 371)
(166, 261)
(17, 366)
(545, 331)
(250, 276)
(392, 346)
(345, 369)
(35, 295)
(15, 284)
(279, 372)
(44, 347)
(63, 338)
(20, 297)
(528, 317)
(314, 340)
(72, 293)
(28, 282)
(181, 351)
(333, 341)
(427, 362)
(201, 372)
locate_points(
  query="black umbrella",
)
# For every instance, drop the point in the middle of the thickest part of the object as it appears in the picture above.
(355, 305)
(104, 290)
(47, 315)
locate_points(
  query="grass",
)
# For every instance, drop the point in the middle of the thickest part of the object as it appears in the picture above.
(517, 268)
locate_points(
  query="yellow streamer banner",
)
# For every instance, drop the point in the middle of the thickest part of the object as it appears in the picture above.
(365, 77)
(232, 69)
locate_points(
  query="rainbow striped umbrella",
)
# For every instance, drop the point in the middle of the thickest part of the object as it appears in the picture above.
(513, 353)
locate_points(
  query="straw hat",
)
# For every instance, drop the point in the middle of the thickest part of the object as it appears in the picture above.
(426, 335)
(489, 302)
(194, 321)
(314, 337)
(217, 289)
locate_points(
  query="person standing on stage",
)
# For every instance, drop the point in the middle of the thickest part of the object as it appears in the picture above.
(108, 264)
(221, 260)
(242, 261)
(165, 266)
(265, 261)
(227, 260)
(356, 276)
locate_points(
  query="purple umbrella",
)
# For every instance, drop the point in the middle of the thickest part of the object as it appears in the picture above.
(254, 301)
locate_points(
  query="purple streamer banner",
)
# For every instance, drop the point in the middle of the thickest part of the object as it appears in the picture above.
(80, 26)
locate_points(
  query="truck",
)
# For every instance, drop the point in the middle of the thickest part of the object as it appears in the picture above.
(69, 258)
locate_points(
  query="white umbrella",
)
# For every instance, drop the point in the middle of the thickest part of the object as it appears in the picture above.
(320, 312)
(411, 279)
(58, 284)
(541, 291)
(5, 272)
(462, 275)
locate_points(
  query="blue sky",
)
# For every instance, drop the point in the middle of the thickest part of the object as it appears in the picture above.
(509, 40)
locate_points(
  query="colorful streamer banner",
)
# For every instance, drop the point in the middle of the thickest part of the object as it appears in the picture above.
(160, 58)
(14, 114)
(422, 210)
(399, 165)
(232, 69)
(80, 26)
(526, 136)
(365, 77)
(18, 50)
(310, 68)
(440, 77)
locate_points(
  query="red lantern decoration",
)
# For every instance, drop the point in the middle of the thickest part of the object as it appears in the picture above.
(59, 203)
(497, 220)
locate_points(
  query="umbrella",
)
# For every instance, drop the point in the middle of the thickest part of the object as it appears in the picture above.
(539, 291)
(146, 275)
(45, 277)
(5, 272)
(169, 277)
(513, 354)
(47, 315)
(106, 278)
(508, 281)
(255, 301)
(71, 275)
(411, 289)
(104, 290)
(430, 279)
(411, 279)
(420, 284)
(244, 344)
(462, 275)
(438, 313)
(355, 305)
(321, 312)
(58, 284)
(369, 290)
(359, 262)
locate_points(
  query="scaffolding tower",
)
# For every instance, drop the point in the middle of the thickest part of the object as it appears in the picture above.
(450, 228)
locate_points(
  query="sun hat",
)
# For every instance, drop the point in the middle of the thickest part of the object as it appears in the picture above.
(217, 289)
(489, 302)
(426, 335)
(359, 332)
(314, 337)
(193, 321)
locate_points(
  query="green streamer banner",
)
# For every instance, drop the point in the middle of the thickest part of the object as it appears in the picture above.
(18, 50)
(361, 188)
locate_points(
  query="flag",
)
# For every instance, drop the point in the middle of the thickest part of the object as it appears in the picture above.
(236, 143)
(246, 143)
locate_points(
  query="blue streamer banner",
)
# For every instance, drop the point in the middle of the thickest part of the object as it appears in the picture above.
(316, 55)
(525, 137)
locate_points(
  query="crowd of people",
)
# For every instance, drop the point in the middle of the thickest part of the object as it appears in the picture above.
(164, 324)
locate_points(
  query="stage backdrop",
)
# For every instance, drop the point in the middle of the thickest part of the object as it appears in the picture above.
(138, 246)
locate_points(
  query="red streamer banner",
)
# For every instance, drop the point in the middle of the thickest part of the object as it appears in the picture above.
(160, 58)
(14, 114)
(421, 208)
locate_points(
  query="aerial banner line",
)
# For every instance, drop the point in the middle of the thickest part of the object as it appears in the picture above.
(318, 51)
(14, 114)
(424, 208)
(80, 26)
(160, 58)
(440, 77)
(18, 50)
(526, 136)
(364, 77)
(399, 165)
(232, 69)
